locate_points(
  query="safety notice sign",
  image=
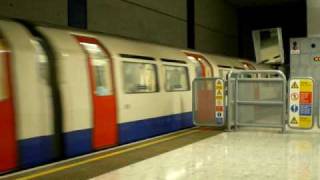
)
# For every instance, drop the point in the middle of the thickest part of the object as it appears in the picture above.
(219, 101)
(301, 103)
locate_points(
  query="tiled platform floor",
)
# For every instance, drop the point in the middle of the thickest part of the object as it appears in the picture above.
(111, 159)
(245, 154)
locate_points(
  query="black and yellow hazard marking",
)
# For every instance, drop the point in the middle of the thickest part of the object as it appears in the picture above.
(295, 85)
(294, 121)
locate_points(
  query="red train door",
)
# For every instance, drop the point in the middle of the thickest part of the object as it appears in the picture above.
(8, 146)
(102, 90)
(207, 70)
(204, 108)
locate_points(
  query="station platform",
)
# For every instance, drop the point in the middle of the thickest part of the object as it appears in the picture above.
(102, 162)
(198, 153)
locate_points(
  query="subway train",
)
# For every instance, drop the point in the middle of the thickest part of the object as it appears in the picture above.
(68, 92)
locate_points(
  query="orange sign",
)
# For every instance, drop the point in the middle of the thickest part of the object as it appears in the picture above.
(219, 108)
(305, 97)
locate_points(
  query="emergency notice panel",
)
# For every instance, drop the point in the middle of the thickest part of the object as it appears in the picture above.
(219, 102)
(301, 103)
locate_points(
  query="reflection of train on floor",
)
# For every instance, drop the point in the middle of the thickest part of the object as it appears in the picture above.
(66, 92)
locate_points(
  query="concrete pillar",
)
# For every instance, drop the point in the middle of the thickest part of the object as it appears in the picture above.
(313, 14)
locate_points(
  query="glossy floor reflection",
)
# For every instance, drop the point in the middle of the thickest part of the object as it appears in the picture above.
(234, 155)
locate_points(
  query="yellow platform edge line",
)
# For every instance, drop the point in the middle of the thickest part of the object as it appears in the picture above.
(57, 169)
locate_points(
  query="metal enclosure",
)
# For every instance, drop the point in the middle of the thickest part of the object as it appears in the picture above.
(305, 62)
(258, 99)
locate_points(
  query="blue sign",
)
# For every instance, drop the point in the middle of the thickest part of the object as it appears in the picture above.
(294, 108)
(219, 121)
(305, 109)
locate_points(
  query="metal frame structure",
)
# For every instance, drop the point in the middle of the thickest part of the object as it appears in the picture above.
(195, 99)
(237, 77)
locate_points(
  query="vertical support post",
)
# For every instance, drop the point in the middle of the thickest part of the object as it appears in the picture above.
(236, 114)
(77, 13)
(191, 24)
(194, 100)
(230, 97)
(284, 109)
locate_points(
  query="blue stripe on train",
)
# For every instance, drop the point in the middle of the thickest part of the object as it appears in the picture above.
(36, 151)
(138, 130)
(39, 150)
(77, 142)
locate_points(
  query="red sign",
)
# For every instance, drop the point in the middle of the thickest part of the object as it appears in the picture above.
(305, 97)
(219, 108)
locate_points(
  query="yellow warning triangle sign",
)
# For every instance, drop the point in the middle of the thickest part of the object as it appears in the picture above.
(219, 93)
(294, 121)
(219, 83)
(294, 85)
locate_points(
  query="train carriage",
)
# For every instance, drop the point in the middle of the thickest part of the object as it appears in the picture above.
(66, 92)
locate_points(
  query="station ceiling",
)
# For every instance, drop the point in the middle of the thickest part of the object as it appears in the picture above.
(259, 3)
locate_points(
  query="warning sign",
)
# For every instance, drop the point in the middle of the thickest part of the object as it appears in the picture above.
(306, 86)
(219, 121)
(219, 102)
(219, 83)
(301, 103)
(219, 114)
(305, 110)
(294, 96)
(294, 108)
(305, 122)
(294, 121)
(219, 108)
(294, 85)
(219, 92)
(305, 97)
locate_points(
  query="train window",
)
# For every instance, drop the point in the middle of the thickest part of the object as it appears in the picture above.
(101, 69)
(3, 80)
(176, 78)
(140, 77)
(42, 60)
(173, 61)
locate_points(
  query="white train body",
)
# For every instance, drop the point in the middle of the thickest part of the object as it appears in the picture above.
(69, 92)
